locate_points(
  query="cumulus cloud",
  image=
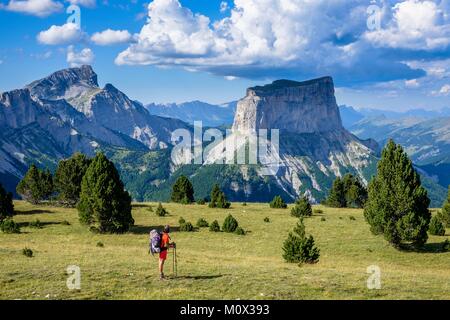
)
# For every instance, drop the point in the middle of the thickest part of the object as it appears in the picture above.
(415, 25)
(223, 6)
(39, 8)
(76, 59)
(55, 35)
(298, 38)
(109, 37)
(444, 91)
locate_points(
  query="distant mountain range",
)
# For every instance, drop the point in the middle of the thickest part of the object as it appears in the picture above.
(211, 115)
(54, 117)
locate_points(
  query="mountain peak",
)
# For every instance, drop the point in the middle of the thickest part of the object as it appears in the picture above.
(56, 84)
(284, 84)
(299, 107)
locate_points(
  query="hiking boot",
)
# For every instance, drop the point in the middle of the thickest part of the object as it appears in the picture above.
(162, 277)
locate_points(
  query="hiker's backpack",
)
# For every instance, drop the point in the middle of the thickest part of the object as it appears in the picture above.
(155, 242)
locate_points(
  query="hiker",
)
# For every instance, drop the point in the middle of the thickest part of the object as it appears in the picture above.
(165, 245)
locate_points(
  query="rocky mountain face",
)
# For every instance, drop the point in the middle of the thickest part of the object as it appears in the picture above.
(67, 112)
(314, 147)
(426, 140)
(296, 107)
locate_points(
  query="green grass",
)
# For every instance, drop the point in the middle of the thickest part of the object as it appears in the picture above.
(214, 265)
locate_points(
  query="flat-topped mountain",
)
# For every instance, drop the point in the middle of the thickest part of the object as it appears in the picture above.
(296, 107)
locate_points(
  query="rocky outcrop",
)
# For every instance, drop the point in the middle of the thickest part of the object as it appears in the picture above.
(296, 107)
(314, 147)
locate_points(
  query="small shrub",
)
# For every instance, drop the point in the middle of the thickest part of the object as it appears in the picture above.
(318, 211)
(100, 244)
(446, 245)
(436, 227)
(27, 252)
(323, 219)
(36, 224)
(160, 211)
(298, 248)
(185, 200)
(239, 231)
(266, 219)
(278, 203)
(9, 226)
(94, 229)
(340, 218)
(352, 218)
(244, 204)
(65, 223)
(201, 202)
(202, 223)
(302, 208)
(230, 224)
(214, 227)
(181, 221)
(186, 227)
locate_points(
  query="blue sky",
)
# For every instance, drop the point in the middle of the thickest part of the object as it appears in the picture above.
(382, 54)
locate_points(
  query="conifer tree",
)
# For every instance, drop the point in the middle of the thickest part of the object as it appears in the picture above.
(6, 204)
(68, 177)
(277, 203)
(302, 208)
(36, 185)
(397, 204)
(445, 213)
(104, 203)
(182, 191)
(336, 198)
(218, 198)
(298, 248)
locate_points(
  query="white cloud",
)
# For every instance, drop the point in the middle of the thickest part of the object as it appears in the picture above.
(223, 6)
(413, 83)
(444, 91)
(76, 59)
(108, 37)
(415, 25)
(55, 35)
(261, 38)
(39, 8)
(84, 3)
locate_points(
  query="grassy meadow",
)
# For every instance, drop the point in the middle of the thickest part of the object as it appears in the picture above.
(214, 265)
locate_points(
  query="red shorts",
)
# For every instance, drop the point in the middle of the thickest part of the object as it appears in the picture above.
(163, 255)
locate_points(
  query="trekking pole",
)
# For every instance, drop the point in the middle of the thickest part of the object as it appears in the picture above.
(176, 262)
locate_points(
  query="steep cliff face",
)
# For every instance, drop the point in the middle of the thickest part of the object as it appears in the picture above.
(296, 107)
(314, 147)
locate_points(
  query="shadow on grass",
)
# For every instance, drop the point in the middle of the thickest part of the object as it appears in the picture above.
(437, 247)
(197, 277)
(42, 224)
(34, 211)
(147, 229)
(140, 205)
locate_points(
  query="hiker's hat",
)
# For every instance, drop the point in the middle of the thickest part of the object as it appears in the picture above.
(167, 229)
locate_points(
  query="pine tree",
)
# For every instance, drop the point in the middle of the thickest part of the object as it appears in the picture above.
(336, 198)
(302, 208)
(277, 203)
(36, 185)
(218, 199)
(104, 203)
(445, 213)
(436, 227)
(6, 204)
(355, 192)
(68, 177)
(397, 204)
(298, 248)
(161, 211)
(230, 224)
(182, 191)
